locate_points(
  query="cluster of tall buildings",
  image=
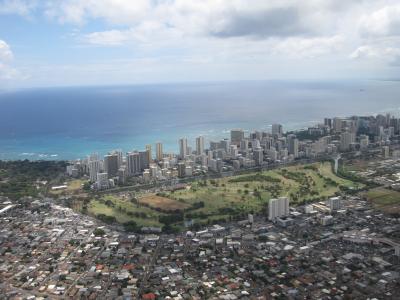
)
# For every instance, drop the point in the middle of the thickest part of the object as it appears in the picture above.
(242, 150)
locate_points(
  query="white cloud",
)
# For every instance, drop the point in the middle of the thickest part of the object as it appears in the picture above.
(18, 7)
(6, 54)
(309, 47)
(387, 54)
(113, 11)
(231, 34)
(7, 72)
(107, 38)
(382, 22)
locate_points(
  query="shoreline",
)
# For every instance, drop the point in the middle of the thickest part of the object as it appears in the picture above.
(171, 146)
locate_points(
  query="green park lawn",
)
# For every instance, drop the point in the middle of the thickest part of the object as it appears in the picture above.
(251, 192)
(124, 211)
(219, 199)
(385, 199)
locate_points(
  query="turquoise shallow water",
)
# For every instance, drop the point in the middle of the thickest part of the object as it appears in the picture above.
(68, 123)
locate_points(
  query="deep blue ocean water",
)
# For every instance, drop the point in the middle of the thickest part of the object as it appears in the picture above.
(69, 123)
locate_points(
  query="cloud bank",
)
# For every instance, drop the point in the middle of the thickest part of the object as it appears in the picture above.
(252, 39)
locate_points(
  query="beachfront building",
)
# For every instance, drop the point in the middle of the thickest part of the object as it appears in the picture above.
(237, 135)
(200, 145)
(183, 148)
(159, 151)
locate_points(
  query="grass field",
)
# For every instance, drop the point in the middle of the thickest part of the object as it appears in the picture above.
(250, 193)
(163, 203)
(73, 187)
(219, 199)
(384, 199)
(358, 165)
(124, 210)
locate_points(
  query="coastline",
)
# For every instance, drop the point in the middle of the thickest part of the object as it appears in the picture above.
(103, 147)
(128, 118)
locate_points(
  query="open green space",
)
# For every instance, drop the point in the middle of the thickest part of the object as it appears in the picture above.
(251, 192)
(74, 186)
(124, 210)
(384, 199)
(215, 200)
(22, 178)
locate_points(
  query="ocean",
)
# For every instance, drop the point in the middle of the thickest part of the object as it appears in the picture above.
(70, 123)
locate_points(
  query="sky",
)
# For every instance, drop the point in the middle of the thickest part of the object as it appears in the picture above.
(46, 43)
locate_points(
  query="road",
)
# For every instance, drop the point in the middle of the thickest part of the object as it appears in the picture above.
(149, 267)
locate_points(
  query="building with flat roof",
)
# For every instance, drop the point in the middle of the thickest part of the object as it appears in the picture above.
(133, 163)
(183, 148)
(200, 145)
(277, 130)
(278, 208)
(111, 164)
(94, 168)
(237, 135)
(334, 203)
(159, 151)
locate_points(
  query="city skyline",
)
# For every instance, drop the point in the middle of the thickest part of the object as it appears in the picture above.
(186, 146)
(256, 150)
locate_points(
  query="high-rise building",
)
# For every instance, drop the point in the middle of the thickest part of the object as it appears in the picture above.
(122, 175)
(346, 139)
(102, 181)
(111, 164)
(133, 163)
(334, 203)
(119, 153)
(200, 145)
(94, 156)
(278, 208)
(236, 136)
(337, 124)
(233, 151)
(385, 151)
(149, 154)
(272, 154)
(258, 156)
(293, 145)
(244, 145)
(159, 151)
(189, 150)
(144, 162)
(214, 145)
(188, 171)
(183, 148)
(220, 165)
(364, 141)
(224, 144)
(94, 168)
(328, 122)
(181, 169)
(395, 123)
(255, 144)
(277, 130)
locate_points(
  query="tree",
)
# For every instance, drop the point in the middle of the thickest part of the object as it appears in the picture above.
(99, 232)
(86, 186)
(130, 226)
(168, 228)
